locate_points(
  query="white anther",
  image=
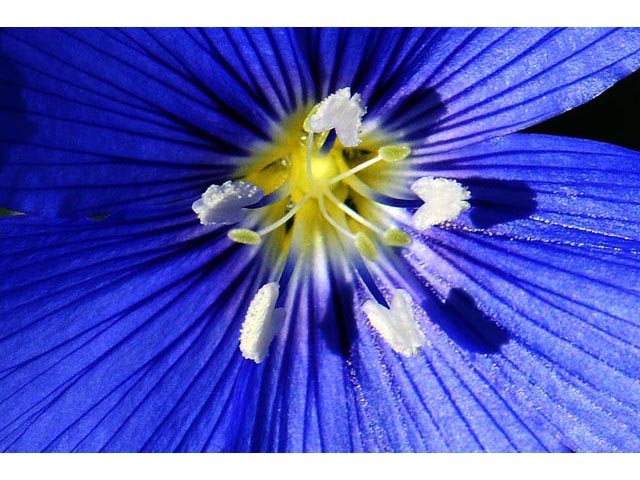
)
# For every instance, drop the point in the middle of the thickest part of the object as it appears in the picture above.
(225, 203)
(261, 323)
(340, 111)
(396, 326)
(443, 200)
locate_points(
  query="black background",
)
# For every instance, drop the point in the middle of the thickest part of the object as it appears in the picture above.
(612, 117)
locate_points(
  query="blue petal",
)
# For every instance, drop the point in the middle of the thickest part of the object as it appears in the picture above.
(121, 335)
(445, 88)
(330, 384)
(94, 120)
(438, 400)
(478, 84)
(372, 61)
(561, 282)
(301, 398)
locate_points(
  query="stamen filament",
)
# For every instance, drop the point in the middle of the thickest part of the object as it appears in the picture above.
(278, 269)
(353, 214)
(369, 193)
(330, 219)
(285, 218)
(310, 157)
(354, 170)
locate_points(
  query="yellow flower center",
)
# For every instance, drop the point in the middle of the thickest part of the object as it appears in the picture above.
(322, 192)
(319, 184)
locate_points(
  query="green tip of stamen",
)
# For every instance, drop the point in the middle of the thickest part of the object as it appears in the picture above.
(305, 124)
(244, 235)
(395, 237)
(394, 153)
(365, 246)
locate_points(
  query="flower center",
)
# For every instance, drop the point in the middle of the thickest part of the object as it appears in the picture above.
(318, 177)
(312, 185)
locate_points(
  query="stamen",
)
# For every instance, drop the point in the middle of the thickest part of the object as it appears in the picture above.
(394, 153)
(285, 218)
(369, 193)
(353, 214)
(329, 218)
(395, 237)
(389, 153)
(342, 112)
(396, 325)
(225, 203)
(443, 201)
(365, 246)
(354, 170)
(244, 235)
(310, 157)
(261, 323)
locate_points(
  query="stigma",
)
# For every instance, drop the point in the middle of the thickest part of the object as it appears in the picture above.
(315, 185)
(444, 200)
(397, 324)
(339, 111)
(224, 204)
(261, 323)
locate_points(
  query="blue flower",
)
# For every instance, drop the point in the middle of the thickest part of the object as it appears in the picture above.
(315, 240)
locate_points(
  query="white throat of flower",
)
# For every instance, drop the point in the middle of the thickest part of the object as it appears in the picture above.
(319, 183)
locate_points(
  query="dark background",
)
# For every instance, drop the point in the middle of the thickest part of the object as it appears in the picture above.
(613, 117)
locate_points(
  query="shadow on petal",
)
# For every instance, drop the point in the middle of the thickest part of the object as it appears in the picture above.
(496, 201)
(468, 326)
(416, 114)
(14, 126)
(338, 326)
